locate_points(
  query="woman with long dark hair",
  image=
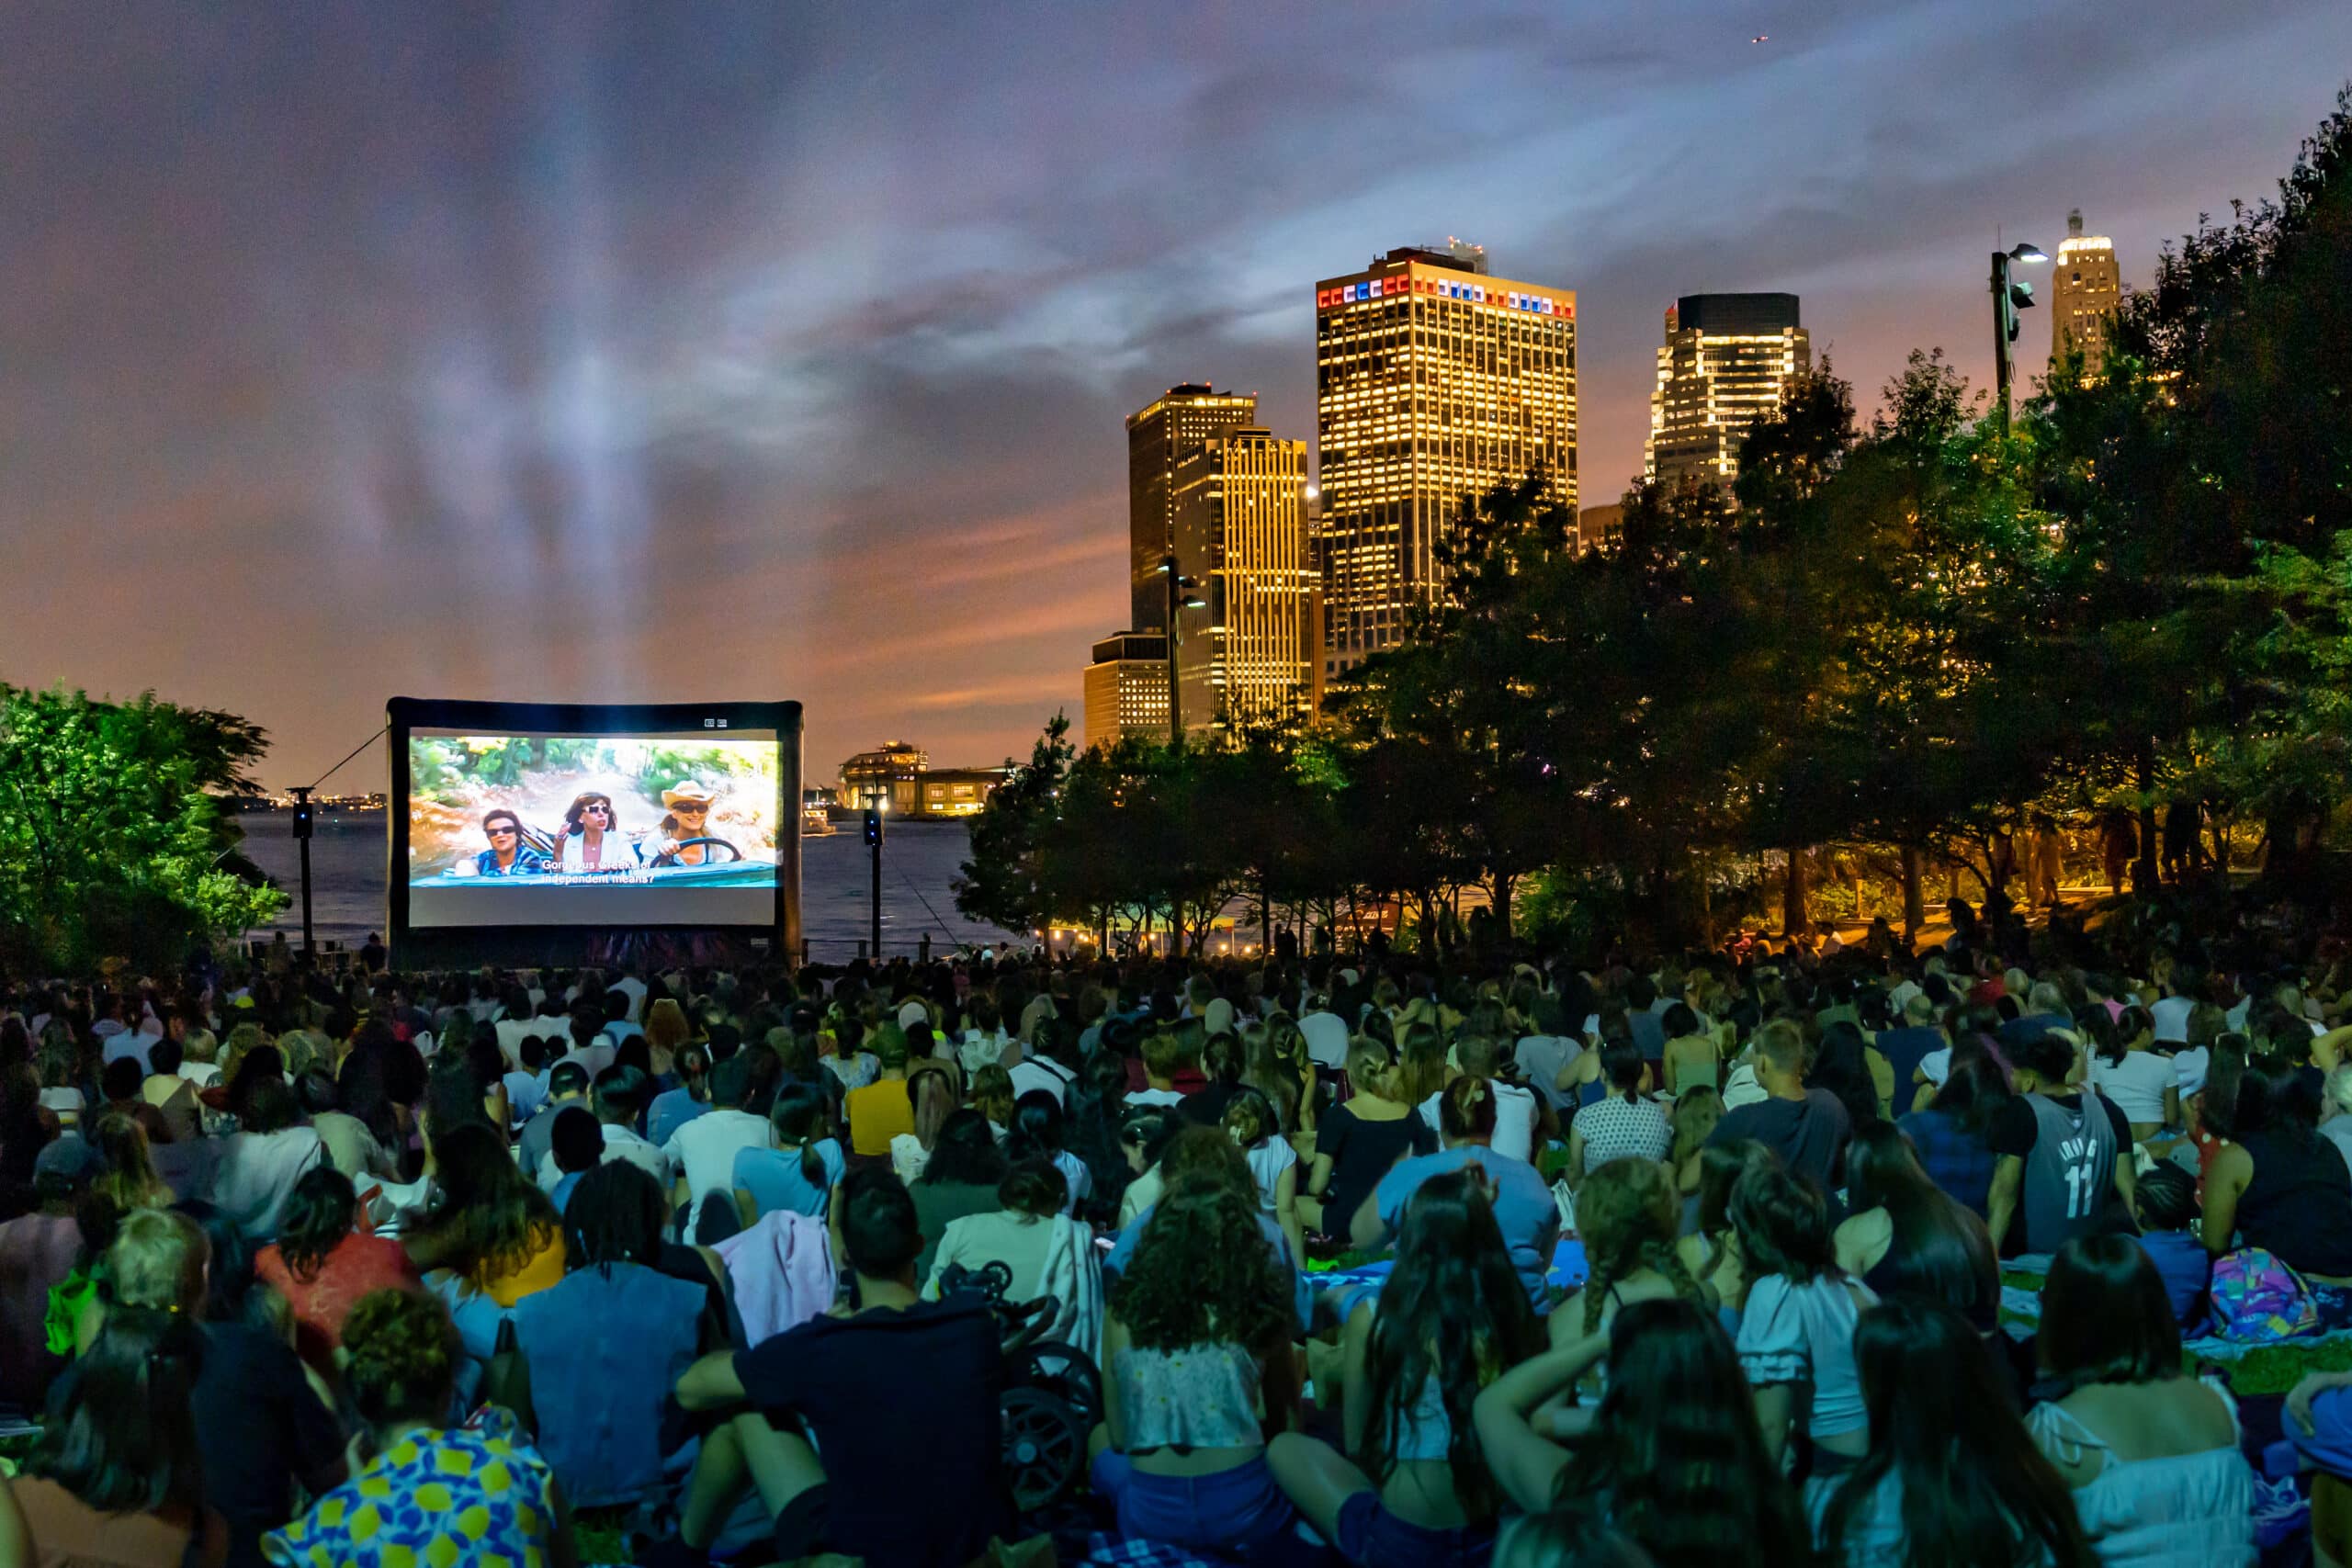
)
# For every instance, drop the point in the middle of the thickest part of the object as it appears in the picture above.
(1413, 1487)
(1949, 1135)
(1671, 1456)
(1711, 1253)
(116, 1476)
(1907, 1235)
(487, 1221)
(960, 1178)
(1841, 1065)
(1098, 1108)
(1796, 1330)
(323, 1262)
(2277, 1184)
(1952, 1479)
(2152, 1456)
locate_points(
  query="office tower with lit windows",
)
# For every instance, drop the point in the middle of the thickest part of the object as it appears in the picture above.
(1434, 381)
(1728, 361)
(1248, 653)
(1127, 688)
(2084, 289)
(1159, 435)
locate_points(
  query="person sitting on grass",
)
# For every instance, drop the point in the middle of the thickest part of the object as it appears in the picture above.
(1412, 1487)
(433, 1493)
(1671, 1455)
(843, 1385)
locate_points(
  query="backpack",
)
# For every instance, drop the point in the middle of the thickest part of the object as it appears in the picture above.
(2258, 1298)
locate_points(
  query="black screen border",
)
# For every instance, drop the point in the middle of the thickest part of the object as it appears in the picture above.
(455, 946)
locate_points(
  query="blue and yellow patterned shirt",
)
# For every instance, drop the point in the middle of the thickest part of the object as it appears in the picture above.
(475, 1495)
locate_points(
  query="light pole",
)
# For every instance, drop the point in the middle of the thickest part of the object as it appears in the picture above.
(874, 799)
(2009, 299)
(1180, 599)
(302, 837)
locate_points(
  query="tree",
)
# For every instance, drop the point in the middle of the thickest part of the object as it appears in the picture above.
(1004, 882)
(112, 831)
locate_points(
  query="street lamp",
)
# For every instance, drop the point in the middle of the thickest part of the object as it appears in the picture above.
(1180, 599)
(2009, 299)
(875, 796)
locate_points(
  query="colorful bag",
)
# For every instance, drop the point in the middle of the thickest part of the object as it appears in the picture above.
(2258, 1298)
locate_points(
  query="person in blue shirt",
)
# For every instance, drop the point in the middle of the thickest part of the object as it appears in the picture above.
(508, 855)
(2165, 1199)
(1524, 1209)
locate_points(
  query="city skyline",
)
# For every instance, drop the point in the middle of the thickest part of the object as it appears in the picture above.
(454, 352)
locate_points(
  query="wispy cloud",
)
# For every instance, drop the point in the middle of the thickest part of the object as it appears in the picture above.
(577, 349)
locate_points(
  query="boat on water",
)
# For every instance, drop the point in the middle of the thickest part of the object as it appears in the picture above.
(815, 823)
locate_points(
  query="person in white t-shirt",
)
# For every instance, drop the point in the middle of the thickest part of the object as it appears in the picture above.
(703, 1150)
(1515, 1112)
(1251, 1121)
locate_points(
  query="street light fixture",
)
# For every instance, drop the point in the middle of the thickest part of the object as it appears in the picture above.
(2009, 299)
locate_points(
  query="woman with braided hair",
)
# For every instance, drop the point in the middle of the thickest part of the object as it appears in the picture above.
(1450, 1318)
(1627, 1217)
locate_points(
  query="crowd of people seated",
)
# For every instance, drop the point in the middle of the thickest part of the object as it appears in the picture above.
(1508, 1256)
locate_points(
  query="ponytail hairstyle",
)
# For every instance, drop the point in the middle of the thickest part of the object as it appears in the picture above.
(1249, 1119)
(1627, 1215)
(403, 1356)
(125, 1441)
(1466, 1113)
(799, 1118)
(1371, 1069)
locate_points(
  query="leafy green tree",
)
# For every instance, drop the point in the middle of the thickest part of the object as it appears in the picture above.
(1004, 882)
(111, 830)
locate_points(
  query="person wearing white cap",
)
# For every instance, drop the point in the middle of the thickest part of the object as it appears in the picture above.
(914, 1012)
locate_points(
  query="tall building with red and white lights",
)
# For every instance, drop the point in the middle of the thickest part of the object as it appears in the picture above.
(1434, 381)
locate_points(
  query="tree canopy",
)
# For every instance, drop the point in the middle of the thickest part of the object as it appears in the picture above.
(112, 836)
(1900, 638)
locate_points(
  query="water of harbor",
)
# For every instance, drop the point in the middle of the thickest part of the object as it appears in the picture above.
(919, 861)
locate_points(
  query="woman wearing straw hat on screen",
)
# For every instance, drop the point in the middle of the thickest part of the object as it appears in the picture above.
(689, 812)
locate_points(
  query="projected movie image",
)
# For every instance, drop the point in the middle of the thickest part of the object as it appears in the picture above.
(592, 829)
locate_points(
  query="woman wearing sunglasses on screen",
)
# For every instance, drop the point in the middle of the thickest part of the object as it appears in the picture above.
(688, 820)
(508, 855)
(592, 840)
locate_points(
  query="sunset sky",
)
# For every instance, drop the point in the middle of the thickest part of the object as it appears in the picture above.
(591, 352)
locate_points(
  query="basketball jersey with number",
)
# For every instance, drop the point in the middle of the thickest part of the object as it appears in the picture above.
(2069, 1172)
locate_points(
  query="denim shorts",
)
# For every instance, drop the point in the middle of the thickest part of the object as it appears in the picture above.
(1237, 1511)
(1367, 1533)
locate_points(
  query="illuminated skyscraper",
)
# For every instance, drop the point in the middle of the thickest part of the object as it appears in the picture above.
(1127, 688)
(1159, 435)
(1726, 362)
(1434, 381)
(1249, 654)
(2084, 289)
